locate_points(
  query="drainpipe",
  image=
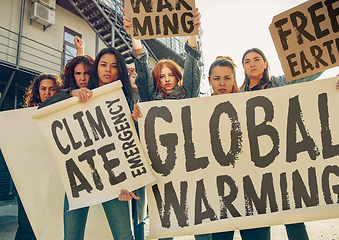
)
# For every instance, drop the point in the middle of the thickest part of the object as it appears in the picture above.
(96, 44)
(113, 37)
(113, 31)
(20, 33)
(15, 96)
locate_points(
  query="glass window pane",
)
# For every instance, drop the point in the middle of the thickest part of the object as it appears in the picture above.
(69, 37)
(70, 53)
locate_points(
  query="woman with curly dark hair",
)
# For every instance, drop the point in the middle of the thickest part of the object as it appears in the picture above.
(42, 87)
(76, 72)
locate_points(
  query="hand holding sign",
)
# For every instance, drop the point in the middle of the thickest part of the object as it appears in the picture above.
(128, 23)
(136, 114)
(196, 19)
(306, 38)
(125, 195)
(136, 44)
(82, 93)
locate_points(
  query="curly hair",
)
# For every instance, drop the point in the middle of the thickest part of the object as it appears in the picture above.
(156, 72)
(67, 74)
(32, 97)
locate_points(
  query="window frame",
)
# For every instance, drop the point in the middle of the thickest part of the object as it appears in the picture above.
(66, 43)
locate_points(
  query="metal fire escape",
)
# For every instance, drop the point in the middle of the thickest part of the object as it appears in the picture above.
(106, 21)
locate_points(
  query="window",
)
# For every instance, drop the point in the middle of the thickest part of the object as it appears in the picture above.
(70, 50)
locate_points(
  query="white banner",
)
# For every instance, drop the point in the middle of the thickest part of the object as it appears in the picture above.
(37, 180)
(246, 160)
(95, 146)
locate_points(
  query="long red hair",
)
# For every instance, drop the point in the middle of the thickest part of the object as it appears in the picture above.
(173, 66)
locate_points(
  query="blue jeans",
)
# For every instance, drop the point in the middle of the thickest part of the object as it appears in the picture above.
(25, 231)
(296, 231)
(263, 233)
(117, 213)
(206, 236)
(139, 229)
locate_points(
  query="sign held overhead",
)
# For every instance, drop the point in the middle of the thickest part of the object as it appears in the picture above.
(161, 18)
(306, 38)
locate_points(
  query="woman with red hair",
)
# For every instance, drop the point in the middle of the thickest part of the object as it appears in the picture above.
(166, 80)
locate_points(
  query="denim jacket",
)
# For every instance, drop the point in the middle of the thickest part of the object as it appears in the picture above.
(281, 80)
(191, 77)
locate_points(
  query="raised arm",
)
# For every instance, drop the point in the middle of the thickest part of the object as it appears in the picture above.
(192, 78)
(281, 80)
(80, 46)
(144, 79)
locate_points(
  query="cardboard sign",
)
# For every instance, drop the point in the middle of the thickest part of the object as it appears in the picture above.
(307, 38)
(37, 180)
(163, 18)
(95, 146)
(242, 160)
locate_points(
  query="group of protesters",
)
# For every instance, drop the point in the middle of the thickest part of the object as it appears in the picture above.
(82, 74)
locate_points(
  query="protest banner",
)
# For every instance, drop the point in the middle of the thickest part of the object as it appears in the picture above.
(163, 18)
(238, 161)
(37, 180)
(95, 146)
(306, 38)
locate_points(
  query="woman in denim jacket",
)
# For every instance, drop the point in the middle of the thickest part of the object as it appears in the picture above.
(149, 90)
(255, 65)
(166, 81)
(256, 78)
(149, 83)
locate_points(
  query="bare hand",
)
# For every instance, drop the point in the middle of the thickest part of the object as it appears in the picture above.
(130, 67)
(80, 45)
(82, 93)
(192, 39)
(127, 22)
(136, 112)
(125, 195)
(196, 19)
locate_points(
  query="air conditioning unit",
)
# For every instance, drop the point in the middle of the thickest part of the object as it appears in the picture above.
(42, 14)
(47, 3)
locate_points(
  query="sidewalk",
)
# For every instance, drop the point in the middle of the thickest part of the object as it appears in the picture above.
(325, 229)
